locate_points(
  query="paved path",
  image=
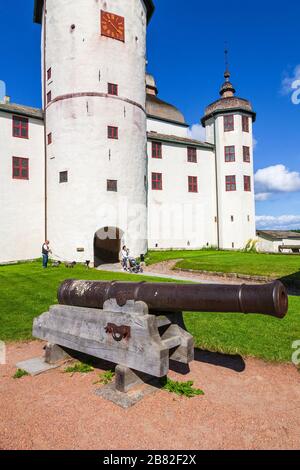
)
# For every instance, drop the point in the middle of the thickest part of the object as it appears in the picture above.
(247, 405)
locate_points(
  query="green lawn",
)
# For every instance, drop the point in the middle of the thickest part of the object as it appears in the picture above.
(259, 264)
(26, 291)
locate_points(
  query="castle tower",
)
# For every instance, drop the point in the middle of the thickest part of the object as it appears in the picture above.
(93, 74)
(228, 123)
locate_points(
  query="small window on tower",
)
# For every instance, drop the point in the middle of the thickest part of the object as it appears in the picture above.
(193, 184)
(112, 132)
(230, 183)
(192, 154)
(49, 97)
(49, 138)
(247, 183)
(229, 123)
(230, 153)
(112, 185)
(157, 181)
(63, 177)
(156, 150)
(20, 168)
(20, 127)
(246, 154)
(49, 74)
(245, 123)
(112, 89)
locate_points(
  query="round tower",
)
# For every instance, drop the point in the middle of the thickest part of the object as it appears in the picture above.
(93, 74)
(228, 122)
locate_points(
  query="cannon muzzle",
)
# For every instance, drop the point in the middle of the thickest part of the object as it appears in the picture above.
(267, 299)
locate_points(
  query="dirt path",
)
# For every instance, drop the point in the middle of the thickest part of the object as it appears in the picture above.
(250, 405)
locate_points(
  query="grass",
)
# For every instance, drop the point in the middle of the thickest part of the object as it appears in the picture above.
(79, 368)
(26, 291)
(256, 264)
(106, 378)
(185, 389)
(20, 373)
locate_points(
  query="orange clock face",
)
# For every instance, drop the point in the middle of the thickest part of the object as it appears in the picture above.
(112, 26)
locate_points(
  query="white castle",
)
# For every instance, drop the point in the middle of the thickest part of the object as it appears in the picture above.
(106, 162)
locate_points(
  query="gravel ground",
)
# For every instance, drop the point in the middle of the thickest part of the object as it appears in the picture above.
(251, 405)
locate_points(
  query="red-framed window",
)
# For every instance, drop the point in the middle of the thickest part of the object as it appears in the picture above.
(20, 168)
(20, 127)
(247, 183)
(231, 183)
(230, 153)
(246, 154)
(112, 132)
(245, 123)
(112, 185)
(49, 138)
(193, 184)
(192, 154)
(112, 89)
(49, 97)
(156, 150)
(229, 123)
(49, 74)
(63, 176)
(157, 181)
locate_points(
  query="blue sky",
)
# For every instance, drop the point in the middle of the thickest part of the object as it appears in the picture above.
(185, 53)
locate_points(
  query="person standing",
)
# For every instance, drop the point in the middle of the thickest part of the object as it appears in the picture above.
(45, 252)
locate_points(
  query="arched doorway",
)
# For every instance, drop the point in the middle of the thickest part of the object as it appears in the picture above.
(107, 245)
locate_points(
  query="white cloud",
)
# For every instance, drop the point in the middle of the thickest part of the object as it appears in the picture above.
(288, 81)
(275, 179)
(197, 132)
(255, 142)
(282, 222)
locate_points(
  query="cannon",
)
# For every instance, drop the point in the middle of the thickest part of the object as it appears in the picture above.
(140, 326)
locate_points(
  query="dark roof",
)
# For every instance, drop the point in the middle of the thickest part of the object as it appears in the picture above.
(38, 10)
(228, 105)
(179, 140)
(161, 110)
(18, 109)
(278, 234)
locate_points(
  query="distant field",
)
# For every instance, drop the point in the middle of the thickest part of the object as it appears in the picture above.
(26, 291)
(259, 264)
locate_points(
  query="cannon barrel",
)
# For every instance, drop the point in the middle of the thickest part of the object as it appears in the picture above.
(267, 299)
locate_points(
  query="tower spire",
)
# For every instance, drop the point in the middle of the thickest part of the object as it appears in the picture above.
(227, 89)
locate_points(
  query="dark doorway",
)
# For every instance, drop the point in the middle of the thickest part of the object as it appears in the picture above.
(107, 246)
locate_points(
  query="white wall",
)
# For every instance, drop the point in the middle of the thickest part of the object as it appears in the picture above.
(177, 218)
(21, 201)
(269, 246)
(240, 204)
(84, 61)
(162, 127)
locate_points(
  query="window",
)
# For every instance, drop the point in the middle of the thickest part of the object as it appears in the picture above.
(157, 181)
(112, 132)
(229, 123)
(246, 154)
(232, 218)
(247, 183)
(193, 184)
(112, 185)
(63, 177)
(112, 89)
(49, 137)
(230, 153)
(49, 74)
(20, 127)
(192, 154)
(230, 183)
(245, 123)
(20, 168)
(156, 150)
(49, 97)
